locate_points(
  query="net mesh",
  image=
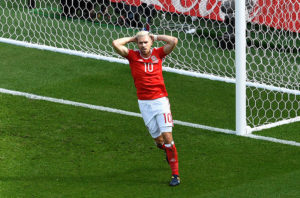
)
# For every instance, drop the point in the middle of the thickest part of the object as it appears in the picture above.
(205, 29)
(273, 60)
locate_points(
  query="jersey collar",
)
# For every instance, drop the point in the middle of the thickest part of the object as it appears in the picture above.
(145, 57)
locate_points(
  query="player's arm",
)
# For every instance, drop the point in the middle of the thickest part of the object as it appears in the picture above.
(171, 42)
(119, 45)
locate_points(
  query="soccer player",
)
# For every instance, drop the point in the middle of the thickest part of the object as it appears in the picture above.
(146, 69)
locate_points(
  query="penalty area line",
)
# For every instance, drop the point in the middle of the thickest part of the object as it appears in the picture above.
(128, 113)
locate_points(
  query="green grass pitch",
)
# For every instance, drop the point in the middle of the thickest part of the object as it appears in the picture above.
(52, 150)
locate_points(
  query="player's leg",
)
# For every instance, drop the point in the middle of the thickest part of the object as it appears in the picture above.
(172, 156)
(149, 117)
(167, 137)
(170, 148)
(158, 119)
(165, 124)
(160, 143)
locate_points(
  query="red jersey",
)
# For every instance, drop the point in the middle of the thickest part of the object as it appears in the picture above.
(147, 74)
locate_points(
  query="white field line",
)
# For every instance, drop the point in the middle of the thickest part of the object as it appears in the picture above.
(270, 139)
(128, 113)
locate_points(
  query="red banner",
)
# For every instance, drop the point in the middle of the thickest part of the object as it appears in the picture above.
(280, 14)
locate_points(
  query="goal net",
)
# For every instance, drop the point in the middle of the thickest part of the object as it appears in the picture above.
(205, 28)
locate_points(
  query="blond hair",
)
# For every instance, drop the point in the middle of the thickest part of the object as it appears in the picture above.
(141, 34)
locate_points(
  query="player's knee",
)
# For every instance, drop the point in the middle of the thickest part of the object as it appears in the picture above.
(168, 138)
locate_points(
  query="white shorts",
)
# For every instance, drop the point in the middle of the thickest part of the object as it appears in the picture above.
(157, 115)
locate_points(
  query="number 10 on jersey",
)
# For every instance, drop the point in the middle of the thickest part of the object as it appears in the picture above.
(148, 67)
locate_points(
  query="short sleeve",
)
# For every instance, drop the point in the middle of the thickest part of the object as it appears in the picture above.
(130, 54)
(161, 52)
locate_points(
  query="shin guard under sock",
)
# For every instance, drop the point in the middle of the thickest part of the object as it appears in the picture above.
(172, 158)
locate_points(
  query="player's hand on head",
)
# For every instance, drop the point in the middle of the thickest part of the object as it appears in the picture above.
(153, 37)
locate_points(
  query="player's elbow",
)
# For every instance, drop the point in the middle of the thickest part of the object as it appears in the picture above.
(115, 43)
(175, 40)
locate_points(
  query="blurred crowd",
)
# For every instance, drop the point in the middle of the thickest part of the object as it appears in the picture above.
(127, 15)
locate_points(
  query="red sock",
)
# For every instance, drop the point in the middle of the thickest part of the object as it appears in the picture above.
(173, 158)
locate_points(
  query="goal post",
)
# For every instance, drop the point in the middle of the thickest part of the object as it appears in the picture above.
(253, 44)
(240, 65)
